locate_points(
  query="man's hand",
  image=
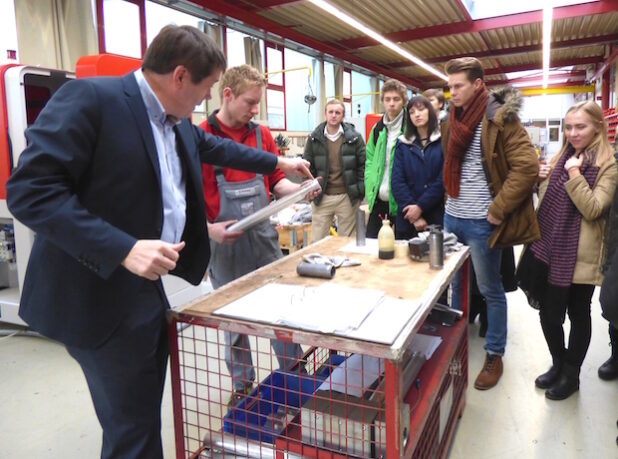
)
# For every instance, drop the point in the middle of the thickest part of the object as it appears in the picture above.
(294, 166)
(312, 194)
(544, 171)
(412, 213)
(420, 224)
(493, 220)
(151, 258)
(218, 232)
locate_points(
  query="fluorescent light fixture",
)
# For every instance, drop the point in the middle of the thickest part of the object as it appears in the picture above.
(547, 22)
(376, 36)
(522, 74)
(539, 73)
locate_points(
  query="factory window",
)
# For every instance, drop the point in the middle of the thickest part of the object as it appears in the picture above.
(347, 92)
(158, 16)
(361, 99)
(236, 50)
(300, 116)
(8, 33)
(329, 80)
(121, 27)
(275, 90)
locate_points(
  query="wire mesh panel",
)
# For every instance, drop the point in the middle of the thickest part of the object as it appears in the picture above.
(238, 393)
(247, 396)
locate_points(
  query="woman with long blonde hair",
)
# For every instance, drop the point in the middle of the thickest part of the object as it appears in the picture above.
(559, 272)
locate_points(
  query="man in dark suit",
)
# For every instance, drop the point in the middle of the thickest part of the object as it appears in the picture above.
(111, 184)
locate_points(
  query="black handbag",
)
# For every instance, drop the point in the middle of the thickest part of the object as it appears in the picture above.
(609, 292)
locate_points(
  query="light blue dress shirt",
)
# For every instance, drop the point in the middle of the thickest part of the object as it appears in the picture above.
(173, 180)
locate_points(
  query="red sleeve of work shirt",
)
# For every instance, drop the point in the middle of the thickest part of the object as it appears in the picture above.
(211, 191)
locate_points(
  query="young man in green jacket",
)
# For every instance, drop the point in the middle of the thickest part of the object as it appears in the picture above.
(380, 152)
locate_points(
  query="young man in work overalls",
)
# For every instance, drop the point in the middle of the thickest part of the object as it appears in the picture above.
(232, 194)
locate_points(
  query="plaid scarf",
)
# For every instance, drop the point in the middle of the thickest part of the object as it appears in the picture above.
(560, 221)
(462, 125)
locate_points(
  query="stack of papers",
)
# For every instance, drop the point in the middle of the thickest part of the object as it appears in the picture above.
(329, 308)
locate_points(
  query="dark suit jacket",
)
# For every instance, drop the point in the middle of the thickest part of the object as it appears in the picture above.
(89, 185)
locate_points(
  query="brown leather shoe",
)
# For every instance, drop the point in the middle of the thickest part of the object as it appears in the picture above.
(490, 374)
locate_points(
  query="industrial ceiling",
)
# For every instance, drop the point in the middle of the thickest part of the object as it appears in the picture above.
(436, 31)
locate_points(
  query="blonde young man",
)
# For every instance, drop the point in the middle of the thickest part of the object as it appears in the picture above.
(336, 152)
(436, 97)
(490, 168)
(232, 194)
(380, 152)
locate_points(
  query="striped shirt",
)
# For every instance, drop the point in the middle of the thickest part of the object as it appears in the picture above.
(474, 197)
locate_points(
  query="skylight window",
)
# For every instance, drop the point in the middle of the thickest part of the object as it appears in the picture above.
(481, 9)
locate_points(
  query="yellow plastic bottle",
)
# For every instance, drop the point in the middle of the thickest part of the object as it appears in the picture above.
(386, 241)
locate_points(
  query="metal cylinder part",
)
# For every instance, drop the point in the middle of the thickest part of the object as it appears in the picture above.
(361, 228)
(321, 270)
(436, 247)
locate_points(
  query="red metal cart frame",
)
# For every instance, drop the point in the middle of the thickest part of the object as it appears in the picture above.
(413, 422)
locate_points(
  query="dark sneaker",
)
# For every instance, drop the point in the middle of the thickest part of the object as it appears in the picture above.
(490, 374)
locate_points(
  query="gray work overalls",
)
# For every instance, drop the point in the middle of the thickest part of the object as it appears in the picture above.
(257, 247)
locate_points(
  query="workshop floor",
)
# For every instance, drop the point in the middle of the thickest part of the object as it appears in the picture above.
(47, 412)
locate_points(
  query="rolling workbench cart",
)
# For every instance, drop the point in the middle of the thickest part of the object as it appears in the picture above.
(344, 396)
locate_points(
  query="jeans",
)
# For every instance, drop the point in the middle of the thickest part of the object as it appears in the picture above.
(486, 262)
(240, 363)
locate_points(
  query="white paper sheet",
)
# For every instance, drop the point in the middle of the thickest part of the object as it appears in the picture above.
(425, 344)
(355, 374)
(328, 308)
(387, 320)
(370, 247)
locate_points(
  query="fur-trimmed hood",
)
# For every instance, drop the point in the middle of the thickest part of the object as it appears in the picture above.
(506, 98)
(435, 135)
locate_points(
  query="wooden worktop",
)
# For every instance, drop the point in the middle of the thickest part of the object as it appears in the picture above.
(400, 277)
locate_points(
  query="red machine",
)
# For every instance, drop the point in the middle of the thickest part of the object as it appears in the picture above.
(24, 91)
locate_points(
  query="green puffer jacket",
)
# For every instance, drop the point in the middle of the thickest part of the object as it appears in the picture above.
(352, 156)
(374, 166)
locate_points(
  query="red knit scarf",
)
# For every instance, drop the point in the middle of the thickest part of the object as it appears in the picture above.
(462, 125)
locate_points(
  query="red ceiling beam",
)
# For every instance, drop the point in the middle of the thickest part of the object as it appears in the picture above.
(480, 25)
(600, 40)
(603, 39)
(523, 68)
(556, 85)
(531, 66)
(259, 5)
(252, 19)
(575, 75)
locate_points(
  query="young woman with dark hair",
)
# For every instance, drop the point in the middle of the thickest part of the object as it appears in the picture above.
(416, 178)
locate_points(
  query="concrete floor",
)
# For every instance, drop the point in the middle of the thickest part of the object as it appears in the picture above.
(47, 412)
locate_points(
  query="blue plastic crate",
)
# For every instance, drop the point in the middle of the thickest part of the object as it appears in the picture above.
(261, 415)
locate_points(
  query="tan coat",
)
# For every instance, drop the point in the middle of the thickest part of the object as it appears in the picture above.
(511, 168)
(594, 205)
